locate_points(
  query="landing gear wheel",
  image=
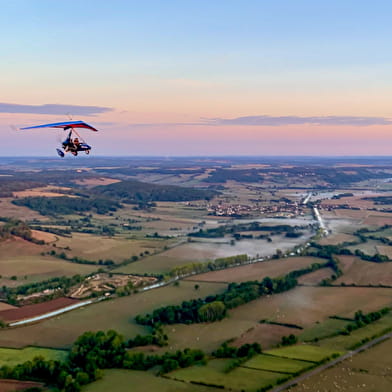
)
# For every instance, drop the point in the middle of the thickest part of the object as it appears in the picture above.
(74, 153)
(87, 152)
(60, 153)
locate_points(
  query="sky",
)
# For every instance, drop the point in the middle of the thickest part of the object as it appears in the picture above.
(198, 77)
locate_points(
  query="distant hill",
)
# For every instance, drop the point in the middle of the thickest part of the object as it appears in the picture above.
(132, 191)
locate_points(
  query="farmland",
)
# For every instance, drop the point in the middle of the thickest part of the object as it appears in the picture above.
(277, 364)
(236, 206)
(258, 271)
(366, 333)
(304, 352)
(360, 272)
(302, 306)
(24, 261)
(121, 380)
(238, 379)
(118, 314)
(367, 371)
(12, 357)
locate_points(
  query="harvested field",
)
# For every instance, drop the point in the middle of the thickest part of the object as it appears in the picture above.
(367, 371)
(267, 335)
(28, 311)
(336, 239)
(118, 314)
(257, 271)
(95, 247)
(385, 250)
(22, 259)
(358, 215)
(43, 236)
(15, 385)
(10, 210)
(138, 381)
(303, 306)
(360, 272)
(378, 220)
(92, 182)
(315, 277)
(42, 192)
(352, 201)
(5, 306)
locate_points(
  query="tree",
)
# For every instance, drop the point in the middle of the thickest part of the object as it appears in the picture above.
(211, 312)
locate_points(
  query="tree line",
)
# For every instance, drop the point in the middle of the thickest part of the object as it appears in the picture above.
(221, 231)
(64, 205)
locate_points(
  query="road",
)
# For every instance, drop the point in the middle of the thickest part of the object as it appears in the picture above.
(321, 368)
(320, 221)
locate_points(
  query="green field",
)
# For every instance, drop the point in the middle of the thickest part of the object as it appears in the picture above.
(277, 364)
(305, 352)
(322, 330)
(12, 357)
(239, 379)
(138, 381)
(343, 342)
(368, 371)
(118, 314)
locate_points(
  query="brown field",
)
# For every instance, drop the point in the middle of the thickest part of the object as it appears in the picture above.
(43, 236)
(47, 191)
(368, 371)
(385, 250)
(351, 214)
(303, 306)
(360, 272)
(118, 314)
(257, 271)
(369, 218)
(10, 210)
(28, 311)
(315, 277)
(22, 259)
(378, 220)
(267, 335)
(336, 239)
(15, 385)
(92, 182)
(5, 306)
(352, 201)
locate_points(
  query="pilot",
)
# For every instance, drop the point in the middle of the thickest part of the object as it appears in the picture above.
(76, 143)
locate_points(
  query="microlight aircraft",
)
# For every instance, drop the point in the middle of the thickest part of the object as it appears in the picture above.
(70, 144)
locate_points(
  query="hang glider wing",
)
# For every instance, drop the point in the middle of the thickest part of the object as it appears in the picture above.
(65, 125)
